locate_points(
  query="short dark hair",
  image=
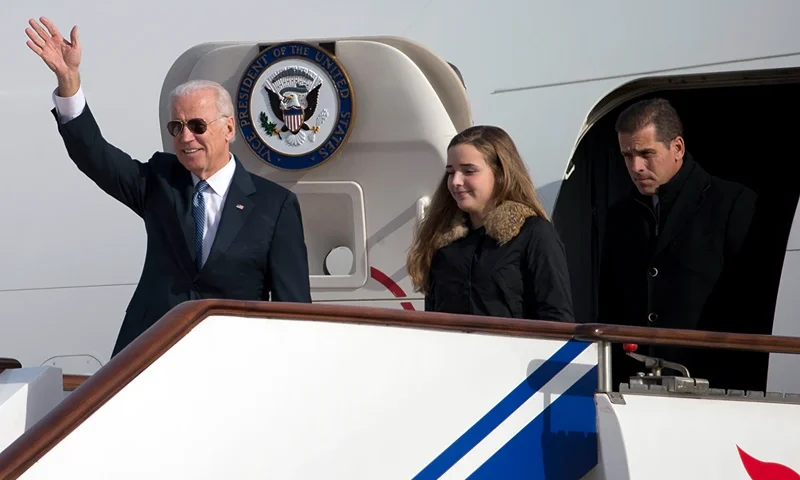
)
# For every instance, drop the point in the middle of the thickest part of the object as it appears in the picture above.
(655, 111)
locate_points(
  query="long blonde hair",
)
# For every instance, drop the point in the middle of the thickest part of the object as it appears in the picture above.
(512, 183)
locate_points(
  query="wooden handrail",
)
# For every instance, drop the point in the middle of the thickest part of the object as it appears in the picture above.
(623, 334)
(595, 332)
(9, 363)
(71, 382)
(173, 326)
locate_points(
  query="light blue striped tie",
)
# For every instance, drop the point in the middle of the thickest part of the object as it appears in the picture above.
(199, 214)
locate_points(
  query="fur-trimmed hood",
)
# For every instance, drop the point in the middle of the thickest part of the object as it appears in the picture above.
(502, 224)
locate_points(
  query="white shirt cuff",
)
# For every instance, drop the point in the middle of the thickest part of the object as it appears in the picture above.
(69, 108)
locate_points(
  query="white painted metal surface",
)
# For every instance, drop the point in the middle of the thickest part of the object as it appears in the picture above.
(305, 399)
(26, 395)
(662, 438)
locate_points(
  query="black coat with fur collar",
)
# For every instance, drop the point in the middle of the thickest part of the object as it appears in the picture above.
(513, 266)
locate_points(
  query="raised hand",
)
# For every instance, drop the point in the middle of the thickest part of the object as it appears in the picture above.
(61, 55)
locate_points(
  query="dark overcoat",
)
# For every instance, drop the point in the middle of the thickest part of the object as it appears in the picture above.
(676, 265)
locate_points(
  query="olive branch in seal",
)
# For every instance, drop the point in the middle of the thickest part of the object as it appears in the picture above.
(269, 127)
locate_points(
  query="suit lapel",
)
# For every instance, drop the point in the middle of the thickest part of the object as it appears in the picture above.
(235, 211)
(182, 196)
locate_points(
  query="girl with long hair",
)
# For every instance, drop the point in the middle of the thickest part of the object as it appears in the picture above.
(486, 245)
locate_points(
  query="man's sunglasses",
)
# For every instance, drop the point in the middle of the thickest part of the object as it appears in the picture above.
(198, 126)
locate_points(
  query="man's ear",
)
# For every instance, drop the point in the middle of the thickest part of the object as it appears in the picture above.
(678, 148)
(230, 128)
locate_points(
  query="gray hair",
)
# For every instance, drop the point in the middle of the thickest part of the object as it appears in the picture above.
(224, 102)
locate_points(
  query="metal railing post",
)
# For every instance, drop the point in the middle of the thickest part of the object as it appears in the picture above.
(604, 366)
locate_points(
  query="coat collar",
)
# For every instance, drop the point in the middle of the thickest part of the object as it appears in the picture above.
(682, 197)
(690, 171)
(502, 224)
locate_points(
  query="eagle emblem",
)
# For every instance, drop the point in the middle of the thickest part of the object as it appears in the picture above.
(292, 94)
(295, 105)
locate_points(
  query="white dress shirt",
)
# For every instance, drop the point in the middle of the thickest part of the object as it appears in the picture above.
(69, 108)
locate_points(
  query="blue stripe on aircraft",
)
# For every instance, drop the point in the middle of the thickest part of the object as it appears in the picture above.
(560, 443)
(508, 405)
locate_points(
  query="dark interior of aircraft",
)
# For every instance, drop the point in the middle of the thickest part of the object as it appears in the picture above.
(743, 134)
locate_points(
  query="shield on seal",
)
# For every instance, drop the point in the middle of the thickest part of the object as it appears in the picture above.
(293, 118)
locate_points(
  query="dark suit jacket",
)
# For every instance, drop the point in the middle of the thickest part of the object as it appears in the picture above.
(259, 252)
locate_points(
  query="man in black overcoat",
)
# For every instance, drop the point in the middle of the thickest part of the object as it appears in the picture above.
(671, 254)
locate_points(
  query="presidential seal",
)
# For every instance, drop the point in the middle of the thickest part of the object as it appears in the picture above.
(295, 106)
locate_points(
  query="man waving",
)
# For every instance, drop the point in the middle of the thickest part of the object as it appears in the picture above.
(213, 229)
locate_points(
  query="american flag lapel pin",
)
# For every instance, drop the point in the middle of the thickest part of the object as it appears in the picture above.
(240, 206)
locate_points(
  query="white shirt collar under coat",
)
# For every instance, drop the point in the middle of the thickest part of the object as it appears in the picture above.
(220, 181)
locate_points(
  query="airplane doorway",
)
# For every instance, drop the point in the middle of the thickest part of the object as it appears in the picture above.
(739, 133)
